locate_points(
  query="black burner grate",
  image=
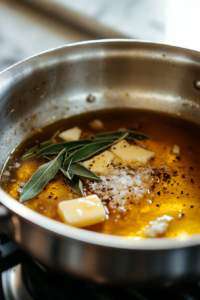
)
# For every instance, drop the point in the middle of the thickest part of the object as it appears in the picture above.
(53, 286)
(42, 284)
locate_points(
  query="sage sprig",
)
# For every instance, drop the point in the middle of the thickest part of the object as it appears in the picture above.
(40, 178)
(68, 173)
(70, 154)
(88, 151)
(75, 184)
(82, 171)
(33, 151)
(62, 168)
(117, 135)
(56, 148)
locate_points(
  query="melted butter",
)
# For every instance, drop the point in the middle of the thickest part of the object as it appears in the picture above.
(177, 196)
(130, 153)
(98, 163)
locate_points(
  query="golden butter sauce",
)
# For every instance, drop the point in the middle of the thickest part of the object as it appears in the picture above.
(176, 196)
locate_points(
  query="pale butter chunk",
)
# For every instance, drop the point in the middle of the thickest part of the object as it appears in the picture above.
(82, 212)
(99, 163)
(131, 153)
(72, 134)
(158, 227)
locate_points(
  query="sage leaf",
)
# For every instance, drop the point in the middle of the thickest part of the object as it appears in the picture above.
(31, 152)
(82, 171)
(67, 171)
(88, 151)
(46, 159)
(123, 136)
(75, 184)
(116, 134)
(40, 178)
(56, 148)
(62, 169)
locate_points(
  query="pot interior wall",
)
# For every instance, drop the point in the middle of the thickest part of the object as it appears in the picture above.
(55, 85)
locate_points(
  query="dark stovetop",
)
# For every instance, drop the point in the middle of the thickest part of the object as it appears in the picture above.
(28, 280)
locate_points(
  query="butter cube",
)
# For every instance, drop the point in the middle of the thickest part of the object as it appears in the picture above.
(82, 212)
(99, 163)
(131, 153)
(72, 134)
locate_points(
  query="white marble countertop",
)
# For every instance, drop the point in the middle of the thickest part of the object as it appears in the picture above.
(25, 31)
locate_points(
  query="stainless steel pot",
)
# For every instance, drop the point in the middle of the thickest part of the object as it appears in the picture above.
(55, 85)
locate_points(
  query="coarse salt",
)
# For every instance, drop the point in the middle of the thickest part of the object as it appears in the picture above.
(122, 183)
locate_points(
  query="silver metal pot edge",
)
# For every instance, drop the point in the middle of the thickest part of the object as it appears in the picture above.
(84, 235)
(101, 257)
(96, 42)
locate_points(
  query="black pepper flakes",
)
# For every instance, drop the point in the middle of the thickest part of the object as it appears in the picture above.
(158, 193)
(157, 205)
(166, 175)
(178, 158)
(191, 206)
(191, 168)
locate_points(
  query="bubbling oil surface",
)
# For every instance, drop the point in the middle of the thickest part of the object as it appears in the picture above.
(177, 197)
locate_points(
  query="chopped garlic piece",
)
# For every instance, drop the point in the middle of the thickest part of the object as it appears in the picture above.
(96, 124)
(19, 190)
(82, 212)
(176, 150)
(100, 163)
(158, 227)
(130, 153)
(72, 134)
(6, 173)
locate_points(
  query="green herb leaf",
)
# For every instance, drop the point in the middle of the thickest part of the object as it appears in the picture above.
(67, 171)
(56, 148)
(116, 134)
(75, 184)
(31, 152)
(62, 169)
(88, 151)
(40, 178)
(47, 159)
(80, 170)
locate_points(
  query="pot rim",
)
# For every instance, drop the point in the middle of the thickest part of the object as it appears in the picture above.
(67, 231)
(99, 41)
